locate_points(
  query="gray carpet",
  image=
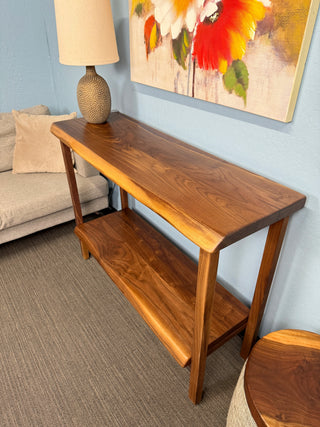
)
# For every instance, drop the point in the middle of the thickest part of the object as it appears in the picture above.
(73, 352)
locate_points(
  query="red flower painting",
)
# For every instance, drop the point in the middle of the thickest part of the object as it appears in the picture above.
(241, 53)
(223, 30)
(214, 33)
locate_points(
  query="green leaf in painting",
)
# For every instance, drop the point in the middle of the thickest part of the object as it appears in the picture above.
(230, 79)
(140, 7)
(181, 47)
(240, 91)
(236, 79)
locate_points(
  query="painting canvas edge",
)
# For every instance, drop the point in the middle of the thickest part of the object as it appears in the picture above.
(305, 45)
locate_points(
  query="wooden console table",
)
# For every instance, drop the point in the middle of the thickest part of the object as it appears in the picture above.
(212, 202)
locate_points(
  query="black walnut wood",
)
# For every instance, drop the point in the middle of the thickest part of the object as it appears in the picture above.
(212, 202)
(268, 265)
(282, 379)
(207, 275)
(67, 158)
(124, 199)
(159, 281)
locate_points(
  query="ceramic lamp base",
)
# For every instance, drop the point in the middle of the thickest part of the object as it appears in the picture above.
(94, 98)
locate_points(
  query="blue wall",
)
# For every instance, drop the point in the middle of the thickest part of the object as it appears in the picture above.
(30, 73)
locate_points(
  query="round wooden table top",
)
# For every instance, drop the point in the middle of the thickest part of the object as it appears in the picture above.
(282, 379)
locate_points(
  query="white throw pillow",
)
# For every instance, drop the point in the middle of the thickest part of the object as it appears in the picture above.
(37, 149)
(8, 134)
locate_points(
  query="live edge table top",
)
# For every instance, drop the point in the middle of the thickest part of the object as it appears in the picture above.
(212, 202)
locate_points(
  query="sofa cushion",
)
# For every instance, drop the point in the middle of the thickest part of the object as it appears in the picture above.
(8, 134)
(25, 197)
(37, 149)
(82, 167)
(7, 142)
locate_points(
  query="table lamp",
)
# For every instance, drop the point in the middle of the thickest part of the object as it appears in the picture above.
(86, 36)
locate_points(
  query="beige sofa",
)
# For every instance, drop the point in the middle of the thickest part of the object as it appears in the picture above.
(30, 202)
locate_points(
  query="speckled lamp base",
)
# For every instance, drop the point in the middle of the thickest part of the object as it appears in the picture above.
(94, 97)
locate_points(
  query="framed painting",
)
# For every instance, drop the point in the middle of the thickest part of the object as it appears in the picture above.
(244, 54)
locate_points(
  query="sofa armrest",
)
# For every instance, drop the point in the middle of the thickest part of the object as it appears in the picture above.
(84, 168)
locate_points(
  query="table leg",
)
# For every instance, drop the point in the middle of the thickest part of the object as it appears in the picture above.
(267, 268)
(124, 199)
(206, 282)
(66, 152)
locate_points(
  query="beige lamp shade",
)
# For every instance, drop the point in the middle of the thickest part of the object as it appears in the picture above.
(85, 32)
(86, 37)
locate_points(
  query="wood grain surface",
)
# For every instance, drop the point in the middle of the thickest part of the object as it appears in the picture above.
(67, 158)
(206, 284)
(159, 281)
(212, 202)
(282, 379)
(268, 265)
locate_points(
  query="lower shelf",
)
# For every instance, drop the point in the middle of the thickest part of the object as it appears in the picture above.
(159, 281)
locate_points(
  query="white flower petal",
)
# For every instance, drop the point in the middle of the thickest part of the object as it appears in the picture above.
(165, 25)
(176, 27)
(209, 9)
(161, 9)
(166, 15)
(191, 18)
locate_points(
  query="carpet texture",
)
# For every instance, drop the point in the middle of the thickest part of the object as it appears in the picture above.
(73, 352)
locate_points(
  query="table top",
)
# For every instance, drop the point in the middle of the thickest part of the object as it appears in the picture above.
(282, 379)
(212, 202)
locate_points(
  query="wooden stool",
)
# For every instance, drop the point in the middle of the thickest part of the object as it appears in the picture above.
(280, 382)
